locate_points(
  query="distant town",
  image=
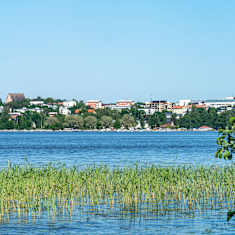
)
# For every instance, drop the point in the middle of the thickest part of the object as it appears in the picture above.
(19, 112)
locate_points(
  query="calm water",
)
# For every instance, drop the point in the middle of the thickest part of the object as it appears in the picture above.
(115, 150)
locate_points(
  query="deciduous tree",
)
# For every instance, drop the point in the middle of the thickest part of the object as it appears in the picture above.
(127, 121)
(106, 121)
(90, 122)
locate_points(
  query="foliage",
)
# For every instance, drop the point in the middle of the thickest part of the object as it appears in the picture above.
(106, 121)
(90, 122)
(226, 147)
(157, 119)
(79, 106)
(5, 122)
(198, 117)
(50, 100)
(107, 118)
(127, 121)
(72, 121)
(18, 104)
(230, 215)
(226, 141)
(117, 124)
(53, 123)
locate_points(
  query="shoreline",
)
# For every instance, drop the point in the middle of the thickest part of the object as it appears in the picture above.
(104, 130)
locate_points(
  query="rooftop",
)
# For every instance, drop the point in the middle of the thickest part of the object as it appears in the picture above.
(220, 101)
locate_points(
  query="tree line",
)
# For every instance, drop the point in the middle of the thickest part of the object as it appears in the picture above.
(82, 117)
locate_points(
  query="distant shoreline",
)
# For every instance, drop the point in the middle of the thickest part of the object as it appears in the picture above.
(103, 130)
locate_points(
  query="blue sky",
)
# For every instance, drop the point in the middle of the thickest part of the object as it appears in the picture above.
(118, 49)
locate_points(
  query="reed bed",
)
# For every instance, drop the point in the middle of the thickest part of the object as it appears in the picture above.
(28, 190)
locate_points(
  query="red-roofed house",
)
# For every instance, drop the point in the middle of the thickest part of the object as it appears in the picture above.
(91, 111)
(179, 110)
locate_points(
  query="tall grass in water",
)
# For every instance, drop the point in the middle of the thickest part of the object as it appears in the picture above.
(28, 190)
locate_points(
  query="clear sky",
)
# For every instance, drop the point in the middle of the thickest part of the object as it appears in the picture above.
(118, 49)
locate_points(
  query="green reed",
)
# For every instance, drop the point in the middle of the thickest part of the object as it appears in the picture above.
(28, 190)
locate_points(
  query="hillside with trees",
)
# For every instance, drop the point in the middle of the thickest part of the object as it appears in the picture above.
(82, 117)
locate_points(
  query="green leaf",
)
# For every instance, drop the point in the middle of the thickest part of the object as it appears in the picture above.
(230, 214)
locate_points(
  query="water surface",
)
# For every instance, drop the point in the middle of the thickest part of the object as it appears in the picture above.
(115, 149)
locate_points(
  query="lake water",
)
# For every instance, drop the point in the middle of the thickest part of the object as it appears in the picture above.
(115, 149)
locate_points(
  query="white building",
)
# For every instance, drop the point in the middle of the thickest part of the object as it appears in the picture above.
(69, 104)
(184, 102)
(148, 111)
(22, 110)
(110, 106)
(36, 102)
(64, 110)
(180, 110)
(38, 110)
(52, 114)
(53, 106)
(123, 104)
(224, 103)
(159, 105)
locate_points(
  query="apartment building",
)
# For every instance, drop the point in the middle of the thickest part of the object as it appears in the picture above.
(123, 104)
(94, 104)
(180, 110)
(223, 103)
(159, 105)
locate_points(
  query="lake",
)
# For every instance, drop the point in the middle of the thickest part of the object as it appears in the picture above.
(115, 149)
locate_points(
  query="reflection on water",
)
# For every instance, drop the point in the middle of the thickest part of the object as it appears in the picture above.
(92, 222)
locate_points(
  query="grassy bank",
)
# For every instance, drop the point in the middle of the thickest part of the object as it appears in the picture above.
(27, 189)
